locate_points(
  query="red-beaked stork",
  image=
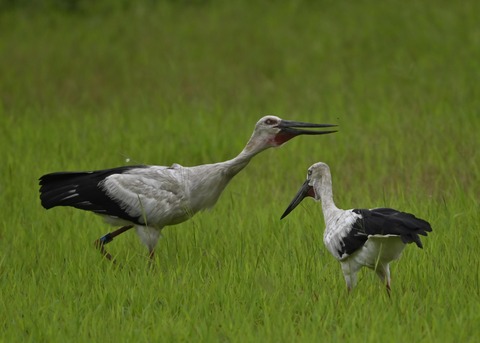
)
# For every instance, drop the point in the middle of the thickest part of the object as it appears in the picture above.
(152, 197)
(360, 237)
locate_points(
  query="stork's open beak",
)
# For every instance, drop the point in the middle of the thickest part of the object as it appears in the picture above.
(290, 129)
(303, 192)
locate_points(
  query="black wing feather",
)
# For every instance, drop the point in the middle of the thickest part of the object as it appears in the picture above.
(353, 241)
(387, 221)
(81, 190)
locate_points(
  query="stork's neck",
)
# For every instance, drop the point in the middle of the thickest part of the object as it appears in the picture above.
(253, 147)
(324, 188)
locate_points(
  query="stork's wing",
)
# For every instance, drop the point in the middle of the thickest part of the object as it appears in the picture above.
(81, 190)
(354, 240)
(387, 221)
(155, 195)
(137, 194)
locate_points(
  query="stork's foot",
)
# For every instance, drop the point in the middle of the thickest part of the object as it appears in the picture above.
(151, 259)
(102, 241)
(388, 290)
(100, 245)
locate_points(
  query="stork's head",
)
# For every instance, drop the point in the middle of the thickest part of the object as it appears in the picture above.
(272, 131)
(310, 187)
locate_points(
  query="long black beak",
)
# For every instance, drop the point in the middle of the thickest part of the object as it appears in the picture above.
(290, 129)
(303, 192)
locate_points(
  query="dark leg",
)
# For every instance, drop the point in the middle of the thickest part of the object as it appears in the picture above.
(99, 243)
(151, 259)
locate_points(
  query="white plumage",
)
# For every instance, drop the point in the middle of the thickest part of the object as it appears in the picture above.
(152, 197)
(360, 237)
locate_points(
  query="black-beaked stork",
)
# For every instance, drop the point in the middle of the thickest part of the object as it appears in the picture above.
(360, 237)
(152, 197)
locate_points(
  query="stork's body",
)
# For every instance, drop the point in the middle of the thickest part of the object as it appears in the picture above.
(360, 237)
(152, 197)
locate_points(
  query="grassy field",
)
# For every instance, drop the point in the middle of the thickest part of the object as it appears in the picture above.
(85, 88)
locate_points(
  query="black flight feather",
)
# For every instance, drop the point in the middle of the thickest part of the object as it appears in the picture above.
(384, 221)
(81, 190)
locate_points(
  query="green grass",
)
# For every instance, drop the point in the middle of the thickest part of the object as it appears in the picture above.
(89, 88)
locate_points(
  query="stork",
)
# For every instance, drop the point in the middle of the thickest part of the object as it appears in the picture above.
(360, 237)
(150, 197)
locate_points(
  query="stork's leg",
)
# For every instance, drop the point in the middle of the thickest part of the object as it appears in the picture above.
(383, 272)
(100, 243)
(351, 281)
(149, 236)
(350, 274)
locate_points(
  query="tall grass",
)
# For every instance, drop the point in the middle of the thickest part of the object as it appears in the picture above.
(158, 83)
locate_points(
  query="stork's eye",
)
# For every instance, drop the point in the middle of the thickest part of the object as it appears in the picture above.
(270, 121)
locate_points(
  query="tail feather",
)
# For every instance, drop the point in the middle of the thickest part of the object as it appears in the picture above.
(60, 189)
(82, 190)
